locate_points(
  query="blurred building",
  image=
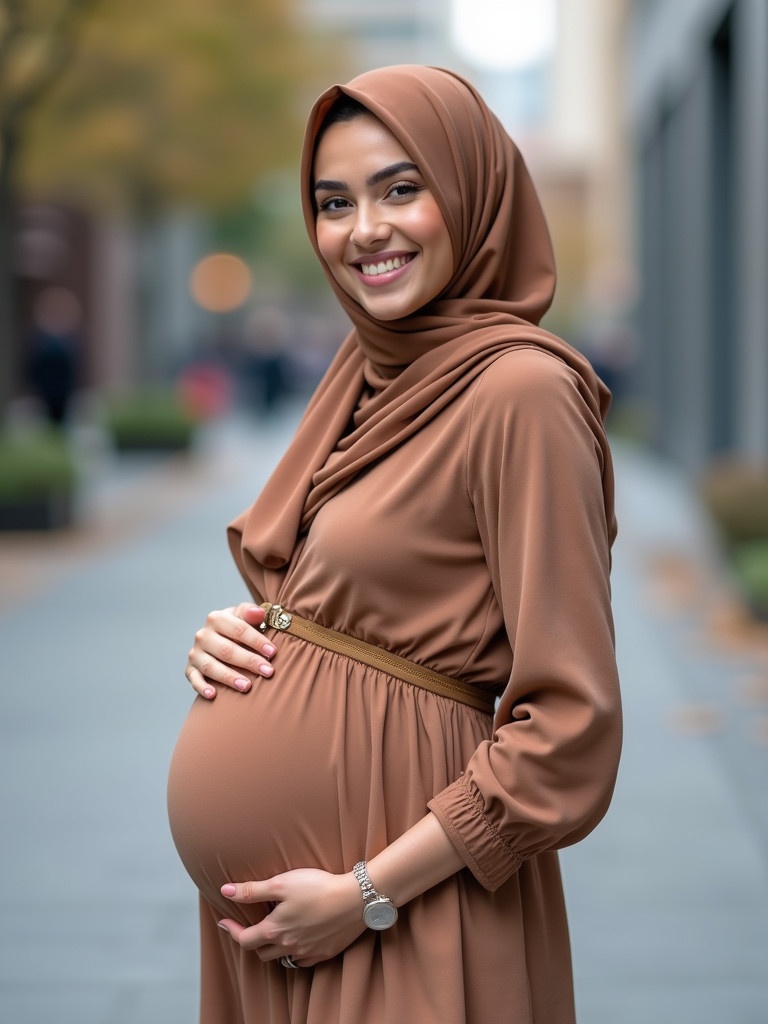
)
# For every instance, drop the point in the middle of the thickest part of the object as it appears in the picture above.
(365, 35)
(132, 330)
(698, 102)
(581, 161)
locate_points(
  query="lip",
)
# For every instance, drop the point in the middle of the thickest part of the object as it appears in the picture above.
(378, 280)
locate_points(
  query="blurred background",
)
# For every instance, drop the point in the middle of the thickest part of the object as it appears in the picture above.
(162, 323)
(149, 212)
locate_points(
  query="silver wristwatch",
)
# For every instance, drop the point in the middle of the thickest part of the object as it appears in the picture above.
(379, 912)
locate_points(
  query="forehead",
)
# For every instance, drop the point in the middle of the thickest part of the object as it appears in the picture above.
(348, 144)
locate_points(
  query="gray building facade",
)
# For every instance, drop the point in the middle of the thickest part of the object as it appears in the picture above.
(698, 105)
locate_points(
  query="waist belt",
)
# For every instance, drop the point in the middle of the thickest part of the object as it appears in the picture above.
(376, 657)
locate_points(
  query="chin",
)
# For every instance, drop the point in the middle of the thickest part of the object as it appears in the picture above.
(388, 311)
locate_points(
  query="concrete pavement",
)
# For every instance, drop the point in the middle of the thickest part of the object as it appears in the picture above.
(668, 898)
(97, 919)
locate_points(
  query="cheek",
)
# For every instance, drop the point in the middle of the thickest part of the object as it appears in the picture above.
(424, 223)
(435, 236)
(331, 247)
(324, 241)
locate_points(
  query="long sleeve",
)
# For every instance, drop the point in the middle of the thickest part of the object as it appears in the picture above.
(534, 477)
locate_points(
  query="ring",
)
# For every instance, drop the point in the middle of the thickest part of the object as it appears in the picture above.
(287, 961)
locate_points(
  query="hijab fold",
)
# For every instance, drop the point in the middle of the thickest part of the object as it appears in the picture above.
(410, 369)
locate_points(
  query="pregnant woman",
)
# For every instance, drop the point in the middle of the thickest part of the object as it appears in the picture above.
(421, 705)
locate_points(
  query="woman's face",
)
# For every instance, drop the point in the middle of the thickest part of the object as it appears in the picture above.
(379, 228)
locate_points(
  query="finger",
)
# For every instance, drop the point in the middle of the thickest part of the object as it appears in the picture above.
(251, 938)
(204, 672)
(246, 628)
(224, 660)
(250, 892)
(231, 639)
(254, 614)
(240, 678)
(247, 938)
(230, 649)
(199, 683)
(232, 928)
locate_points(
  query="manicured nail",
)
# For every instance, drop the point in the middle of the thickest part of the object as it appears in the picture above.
(209, 693)
(242, 684)
(266, 670)
(223, 927)
(268, 650)
(228, 889)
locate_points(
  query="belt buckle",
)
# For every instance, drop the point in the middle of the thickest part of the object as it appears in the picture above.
(277, 618)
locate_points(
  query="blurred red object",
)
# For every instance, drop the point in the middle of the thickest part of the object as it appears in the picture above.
(205, 390)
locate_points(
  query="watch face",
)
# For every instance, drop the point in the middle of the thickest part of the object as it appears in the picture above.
(380, 915)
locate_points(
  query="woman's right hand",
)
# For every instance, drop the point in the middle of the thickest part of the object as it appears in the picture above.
(230, 649)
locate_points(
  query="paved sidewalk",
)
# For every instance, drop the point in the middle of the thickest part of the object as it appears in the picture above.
(668, 898)
(97, 918)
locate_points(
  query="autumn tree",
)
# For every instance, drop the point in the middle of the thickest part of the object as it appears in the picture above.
(138, 104)
(35, 51)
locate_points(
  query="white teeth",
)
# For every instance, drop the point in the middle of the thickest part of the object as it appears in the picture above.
(374, 269)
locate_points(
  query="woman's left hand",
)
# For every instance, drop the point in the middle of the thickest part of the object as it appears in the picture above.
(316, 916)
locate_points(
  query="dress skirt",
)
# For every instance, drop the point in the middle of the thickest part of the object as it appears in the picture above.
(321, 767)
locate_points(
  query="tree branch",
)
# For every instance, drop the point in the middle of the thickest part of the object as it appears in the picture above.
(64, 33)
(14, 29)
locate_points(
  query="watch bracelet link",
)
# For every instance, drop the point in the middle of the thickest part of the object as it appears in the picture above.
(369, 891)
(379, 912)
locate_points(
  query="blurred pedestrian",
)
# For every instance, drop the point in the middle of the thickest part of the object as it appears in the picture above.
(432, 707)
(54, 342)
(265, 363)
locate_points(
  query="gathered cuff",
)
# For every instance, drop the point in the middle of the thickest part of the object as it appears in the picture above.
(488, 855)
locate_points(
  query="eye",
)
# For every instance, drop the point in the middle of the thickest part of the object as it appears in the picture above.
(333, 204)
(404, 190)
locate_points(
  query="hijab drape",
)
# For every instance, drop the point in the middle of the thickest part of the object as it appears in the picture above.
(410, 369)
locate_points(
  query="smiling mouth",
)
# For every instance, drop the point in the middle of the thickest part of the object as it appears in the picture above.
(384, 266)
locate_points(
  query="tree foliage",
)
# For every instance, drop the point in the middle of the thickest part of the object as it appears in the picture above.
(142, 104)
(181, 101)
(37, 40)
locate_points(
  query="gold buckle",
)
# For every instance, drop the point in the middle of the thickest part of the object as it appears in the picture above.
(276, 617)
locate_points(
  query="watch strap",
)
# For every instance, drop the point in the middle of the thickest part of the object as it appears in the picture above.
(360, 871)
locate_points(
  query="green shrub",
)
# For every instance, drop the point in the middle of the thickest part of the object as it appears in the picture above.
(154, 419)
(750, 563)
(736, 495)
(35, 465)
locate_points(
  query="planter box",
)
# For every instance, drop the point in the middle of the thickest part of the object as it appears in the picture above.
(750, 567)
(735, 494)
(38, 482)
(154, 421)
(44, 512)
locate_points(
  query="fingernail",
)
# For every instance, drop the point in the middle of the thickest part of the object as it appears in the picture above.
(268, 650)
(228, 889)
(223, 927)
(266, 670)
(242, 684)
(209, 693)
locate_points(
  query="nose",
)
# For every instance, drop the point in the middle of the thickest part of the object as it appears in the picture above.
(370, 225)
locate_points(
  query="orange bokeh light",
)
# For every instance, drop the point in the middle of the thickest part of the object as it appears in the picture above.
(220, 282)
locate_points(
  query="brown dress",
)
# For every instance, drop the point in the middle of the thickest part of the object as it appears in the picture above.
(478, 547)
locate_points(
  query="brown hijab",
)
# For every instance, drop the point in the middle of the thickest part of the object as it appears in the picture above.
(390, 378)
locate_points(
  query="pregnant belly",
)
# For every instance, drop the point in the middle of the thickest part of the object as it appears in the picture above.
(317, 767)
(253, 787)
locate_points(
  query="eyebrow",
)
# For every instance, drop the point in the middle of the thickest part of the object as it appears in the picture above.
(326, 185)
